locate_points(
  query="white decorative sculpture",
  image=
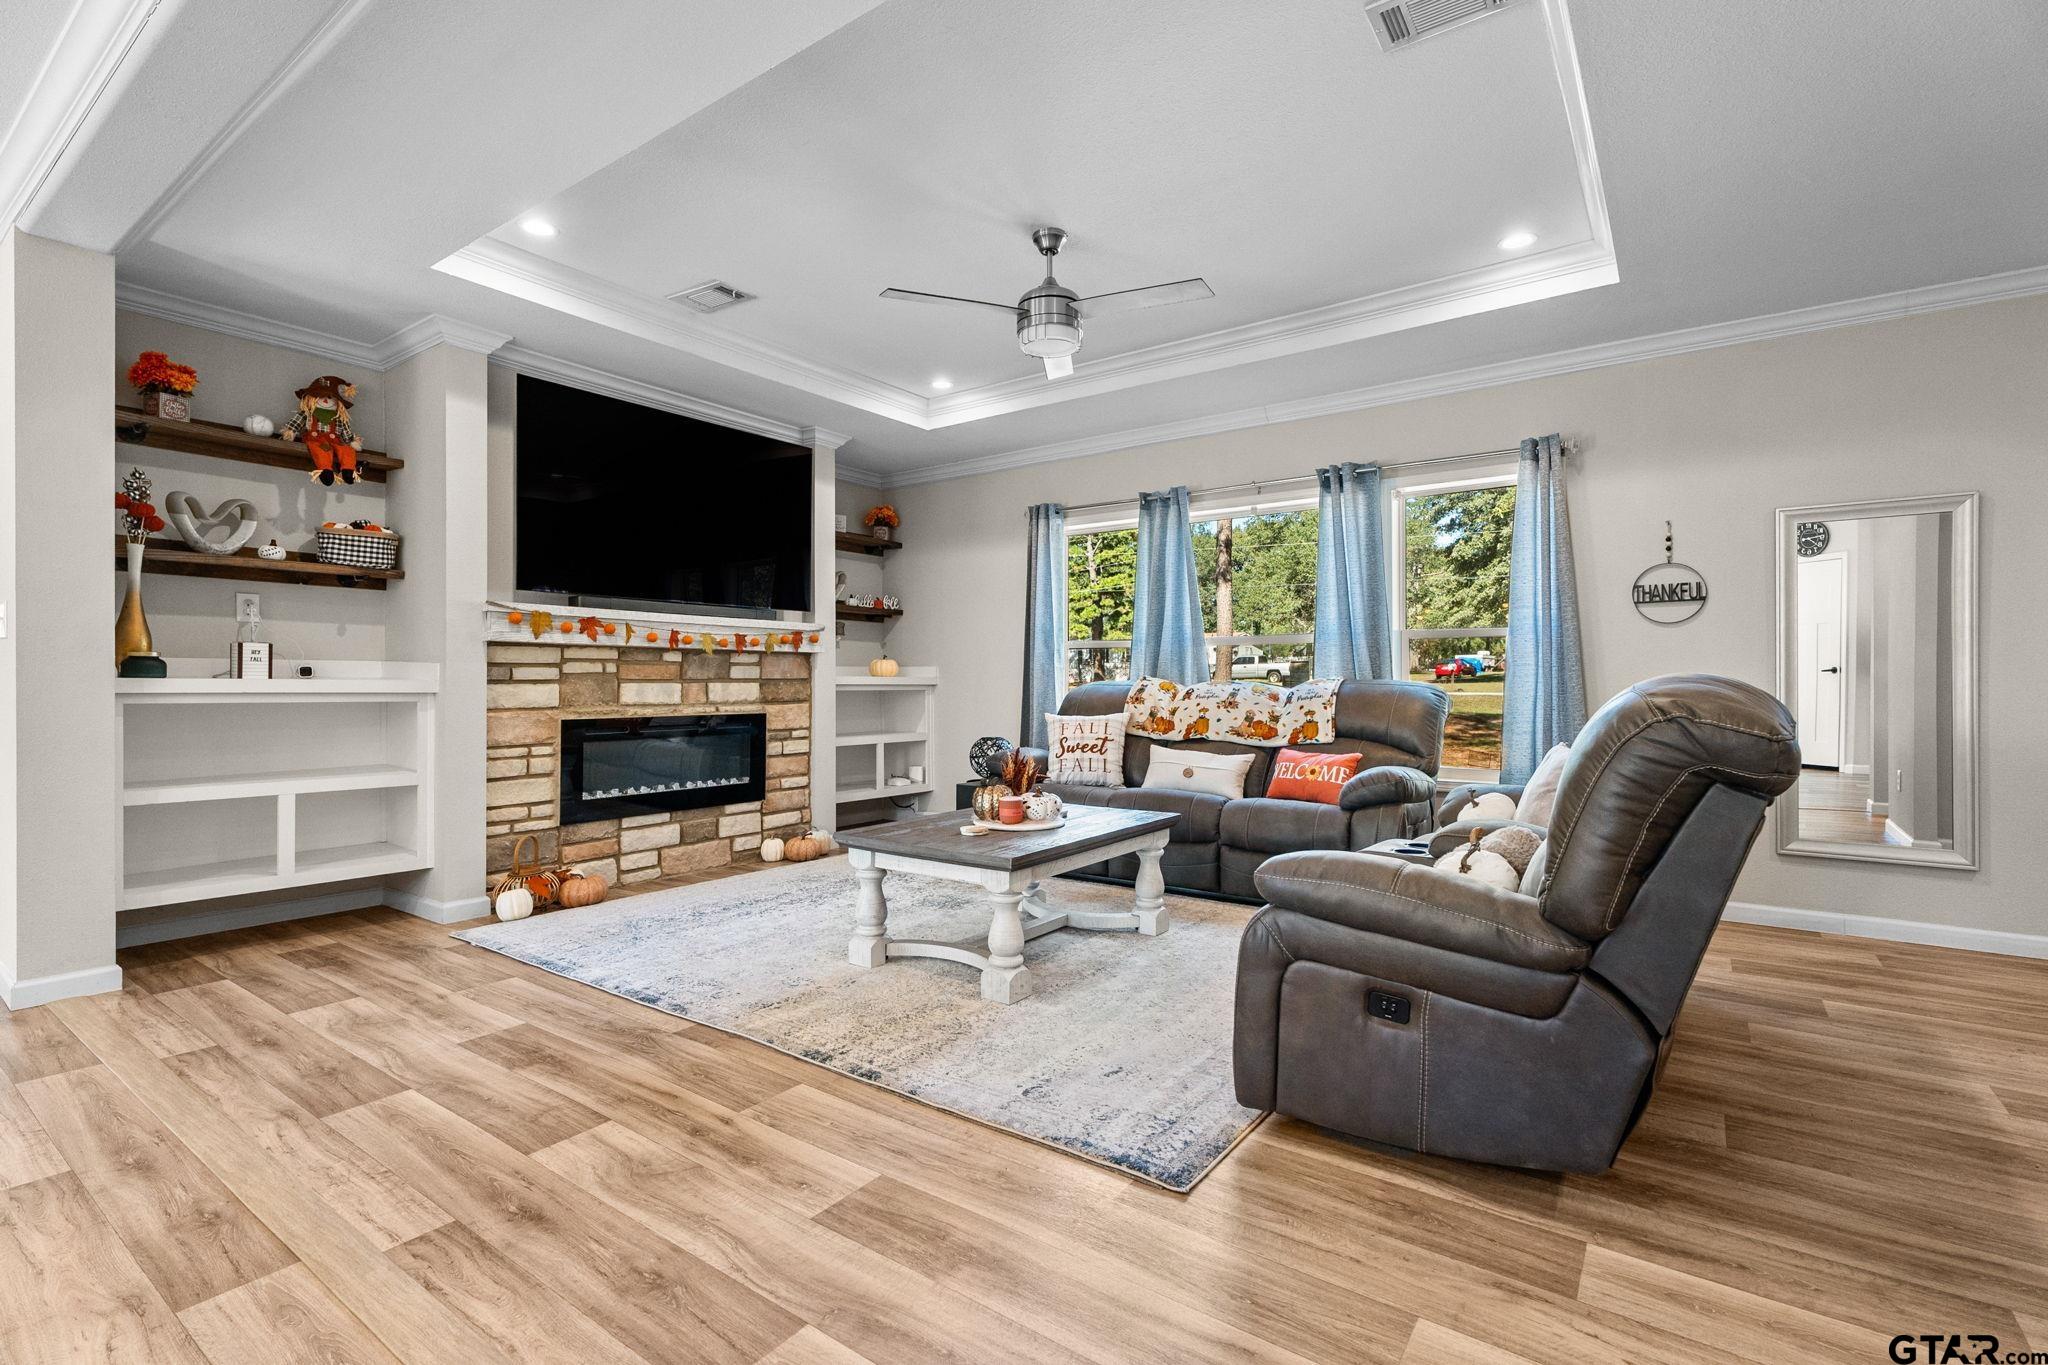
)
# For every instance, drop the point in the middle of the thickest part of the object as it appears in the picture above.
(259, 425)
(236, 515)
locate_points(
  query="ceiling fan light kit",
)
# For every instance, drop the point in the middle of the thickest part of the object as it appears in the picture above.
(1049, 316)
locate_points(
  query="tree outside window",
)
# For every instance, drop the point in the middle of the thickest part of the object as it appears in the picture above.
(1258, 583)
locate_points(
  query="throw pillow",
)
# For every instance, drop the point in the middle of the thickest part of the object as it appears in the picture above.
(1086, 751)
(1539, 794)
(1197, 770)
(1302, 775)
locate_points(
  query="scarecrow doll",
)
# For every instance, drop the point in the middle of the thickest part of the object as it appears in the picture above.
(322, 423)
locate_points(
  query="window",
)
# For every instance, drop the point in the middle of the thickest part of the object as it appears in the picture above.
(1257, 572)
(1451, 612)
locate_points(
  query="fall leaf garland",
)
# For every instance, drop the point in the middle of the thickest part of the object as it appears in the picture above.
(592, 628)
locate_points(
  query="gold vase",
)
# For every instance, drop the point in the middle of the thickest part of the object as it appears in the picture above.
(131, 628)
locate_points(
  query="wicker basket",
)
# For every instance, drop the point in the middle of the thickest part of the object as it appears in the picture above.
(356, 549)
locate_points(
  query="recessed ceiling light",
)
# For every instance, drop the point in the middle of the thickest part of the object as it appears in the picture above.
(942, 383)
(1515, 241)
(538, 227)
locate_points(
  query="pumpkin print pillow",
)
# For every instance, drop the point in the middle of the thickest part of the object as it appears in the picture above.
(1257, 713)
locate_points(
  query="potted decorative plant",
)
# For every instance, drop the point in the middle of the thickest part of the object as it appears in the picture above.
(165, 385)
(880, 521)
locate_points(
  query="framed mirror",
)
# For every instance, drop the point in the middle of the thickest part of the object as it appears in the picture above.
(1877, 650)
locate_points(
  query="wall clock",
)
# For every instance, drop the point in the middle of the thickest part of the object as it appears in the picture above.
(1812, 538)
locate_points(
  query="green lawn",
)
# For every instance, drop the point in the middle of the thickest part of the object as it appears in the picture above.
(1472, 731)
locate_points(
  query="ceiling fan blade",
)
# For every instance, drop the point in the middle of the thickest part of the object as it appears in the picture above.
(1151, 296)
(1058, 366)
(918, 296)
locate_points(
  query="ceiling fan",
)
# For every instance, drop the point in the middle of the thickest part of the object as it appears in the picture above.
(1049, 316)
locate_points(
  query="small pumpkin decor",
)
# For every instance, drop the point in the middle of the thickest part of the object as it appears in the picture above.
(806, 846)
(771, 850)
(580, 889)
(1019, 775)
(525, 888)
(882, 666)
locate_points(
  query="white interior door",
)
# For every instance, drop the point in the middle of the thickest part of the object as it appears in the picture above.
(1823, 622)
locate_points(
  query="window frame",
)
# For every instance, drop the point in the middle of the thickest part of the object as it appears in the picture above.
(1198, 511)
(1397, 490)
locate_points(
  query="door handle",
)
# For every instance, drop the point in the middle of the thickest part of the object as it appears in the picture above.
(1831, 670)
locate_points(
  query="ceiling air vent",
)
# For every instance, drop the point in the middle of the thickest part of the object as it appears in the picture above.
(711, 296)
(1404, 23)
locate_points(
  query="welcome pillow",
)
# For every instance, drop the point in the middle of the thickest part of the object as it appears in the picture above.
(1086, 751)
(1299, 775)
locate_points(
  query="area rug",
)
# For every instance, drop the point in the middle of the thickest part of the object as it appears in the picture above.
(1121, 1054)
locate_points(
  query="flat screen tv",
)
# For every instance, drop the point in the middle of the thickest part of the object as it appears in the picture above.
(630, 505)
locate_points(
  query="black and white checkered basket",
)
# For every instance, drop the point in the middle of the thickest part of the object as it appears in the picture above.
(356, 549)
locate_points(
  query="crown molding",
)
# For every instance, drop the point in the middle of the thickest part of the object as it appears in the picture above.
(435, 330)
(820, 438)
(84, 74)
(524, 275)
(213, 317)
(1855, 312)
(304, 58)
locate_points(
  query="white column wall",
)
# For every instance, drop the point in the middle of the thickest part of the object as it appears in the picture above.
(436, 415)
(57, 795)
(825, 664)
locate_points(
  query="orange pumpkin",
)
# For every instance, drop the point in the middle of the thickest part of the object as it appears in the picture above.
(581, 888)
(801, 849)
(515, 617)
(689, 639)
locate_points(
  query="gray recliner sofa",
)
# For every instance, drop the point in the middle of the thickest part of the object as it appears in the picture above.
(1218, 843)
(1427, 1011)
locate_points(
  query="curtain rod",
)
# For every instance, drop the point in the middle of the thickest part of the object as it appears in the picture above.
(1309, 480)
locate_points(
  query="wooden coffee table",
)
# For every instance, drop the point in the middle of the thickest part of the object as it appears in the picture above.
(1012, 867)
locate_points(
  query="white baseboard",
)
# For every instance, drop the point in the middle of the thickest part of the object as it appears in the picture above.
(128, 934)
(1892, 930)
(1855, 770)
(1876, 808)
(437, 912)
(41, 990)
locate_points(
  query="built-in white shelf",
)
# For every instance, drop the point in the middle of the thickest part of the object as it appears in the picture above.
(362, 778)
(844, 794)
(232, 787)
(880, 737)
(885, 728)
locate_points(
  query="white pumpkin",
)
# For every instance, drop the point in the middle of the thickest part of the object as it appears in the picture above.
(1483, 865)
(258, 425)
(1043, 805)
(771, 850)
(513, 903)
(1489, 806)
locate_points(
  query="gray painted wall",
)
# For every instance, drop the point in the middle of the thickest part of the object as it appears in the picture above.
(1713, 441)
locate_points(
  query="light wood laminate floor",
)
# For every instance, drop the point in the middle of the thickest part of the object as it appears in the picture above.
(354, 1139)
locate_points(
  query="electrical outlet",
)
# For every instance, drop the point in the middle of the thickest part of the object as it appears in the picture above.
(248, 607)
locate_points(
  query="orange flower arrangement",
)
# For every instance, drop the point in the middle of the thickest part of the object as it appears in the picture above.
(155, 372)
(885, 515)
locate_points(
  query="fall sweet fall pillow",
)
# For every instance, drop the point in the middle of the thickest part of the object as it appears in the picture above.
(1301, 775)
(1087, 751)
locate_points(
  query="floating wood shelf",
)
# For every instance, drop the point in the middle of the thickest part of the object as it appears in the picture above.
(866, 545)
(170, 556)
(849, 612)
(132, 426)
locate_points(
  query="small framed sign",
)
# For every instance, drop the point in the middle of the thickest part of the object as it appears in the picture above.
(251, 659)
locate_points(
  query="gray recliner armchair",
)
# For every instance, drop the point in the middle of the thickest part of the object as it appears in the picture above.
(1435, 1013)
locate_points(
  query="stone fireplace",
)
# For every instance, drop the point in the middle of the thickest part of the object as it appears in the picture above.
(644, 763)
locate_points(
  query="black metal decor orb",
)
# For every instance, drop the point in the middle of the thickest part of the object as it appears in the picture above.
(986, 755)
